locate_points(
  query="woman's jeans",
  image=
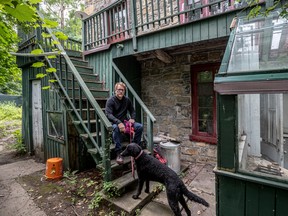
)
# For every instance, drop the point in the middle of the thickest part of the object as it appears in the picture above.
(118, 136)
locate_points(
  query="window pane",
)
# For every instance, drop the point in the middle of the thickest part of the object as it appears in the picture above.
(206, 126)
(260, 44)
(263, 134)
(205, 76)
(55, 125)
(205, 101)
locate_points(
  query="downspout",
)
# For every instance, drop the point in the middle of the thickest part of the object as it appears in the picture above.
(133, 22)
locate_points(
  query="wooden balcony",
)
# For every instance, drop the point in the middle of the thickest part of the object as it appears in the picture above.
(125, 19)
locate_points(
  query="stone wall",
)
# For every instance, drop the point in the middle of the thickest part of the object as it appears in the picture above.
(92, 6)
(166, 90)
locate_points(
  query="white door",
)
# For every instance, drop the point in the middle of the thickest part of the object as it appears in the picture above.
(37, 129)
(272, 127)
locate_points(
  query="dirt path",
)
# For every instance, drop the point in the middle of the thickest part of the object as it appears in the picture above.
(14, 200)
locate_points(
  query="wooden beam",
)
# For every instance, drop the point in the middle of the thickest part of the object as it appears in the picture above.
(163, 56)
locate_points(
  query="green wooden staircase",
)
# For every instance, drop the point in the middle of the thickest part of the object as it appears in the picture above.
(83, 94)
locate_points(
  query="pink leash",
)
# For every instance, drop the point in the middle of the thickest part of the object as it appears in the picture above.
(133, 162)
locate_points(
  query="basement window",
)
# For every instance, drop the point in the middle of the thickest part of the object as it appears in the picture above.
(203, 103)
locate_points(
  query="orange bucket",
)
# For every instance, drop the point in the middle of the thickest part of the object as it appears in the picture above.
(54, 168)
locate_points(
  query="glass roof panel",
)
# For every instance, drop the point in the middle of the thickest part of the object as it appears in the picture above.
(260, 44)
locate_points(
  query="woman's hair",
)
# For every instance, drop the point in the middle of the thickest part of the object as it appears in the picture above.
(121, 84)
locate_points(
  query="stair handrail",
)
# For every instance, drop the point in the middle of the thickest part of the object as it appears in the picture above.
(150, 118)
(81, 82)
(102, 117)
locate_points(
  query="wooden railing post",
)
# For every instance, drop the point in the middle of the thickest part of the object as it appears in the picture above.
(106, 142)
(133, 23)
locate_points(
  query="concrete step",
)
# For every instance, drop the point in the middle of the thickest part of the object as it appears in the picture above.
(155, 208)
(129, 205)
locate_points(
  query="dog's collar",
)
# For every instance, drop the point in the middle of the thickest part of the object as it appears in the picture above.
(139, 155)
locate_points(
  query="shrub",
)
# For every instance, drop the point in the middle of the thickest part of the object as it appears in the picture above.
(9, 111)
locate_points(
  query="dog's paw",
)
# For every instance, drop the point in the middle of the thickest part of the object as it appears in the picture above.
(135, 196)
(147, 191)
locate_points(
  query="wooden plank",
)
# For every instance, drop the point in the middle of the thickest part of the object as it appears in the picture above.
(252, 199)
(204, 30)
(231, 197)
(181, 35)
(222, 26)
(281, 202)
(168, 36)
(213, 26)
(267, 200)
(226, 131)
(188, 34)
(195, 31)
(162, 41)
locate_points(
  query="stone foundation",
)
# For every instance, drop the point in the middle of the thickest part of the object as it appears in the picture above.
(166, 90)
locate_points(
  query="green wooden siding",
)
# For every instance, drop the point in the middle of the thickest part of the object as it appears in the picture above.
(244, 198)
(52, 146)
(226, 121)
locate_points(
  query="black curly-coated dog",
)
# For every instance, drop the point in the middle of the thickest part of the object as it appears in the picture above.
(150, 169)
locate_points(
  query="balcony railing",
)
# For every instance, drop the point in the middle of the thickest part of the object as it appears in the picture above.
(128, 19)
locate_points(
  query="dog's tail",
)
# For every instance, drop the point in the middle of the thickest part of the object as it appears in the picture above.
(193, 196)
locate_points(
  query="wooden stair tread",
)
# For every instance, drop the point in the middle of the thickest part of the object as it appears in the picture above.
(85, 121)
(86, 135)
(91, 89)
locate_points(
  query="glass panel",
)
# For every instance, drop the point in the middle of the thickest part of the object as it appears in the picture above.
(260, 44)
(263, 134)
(205, 101)
(55, 125)
(205, 76)
(205, 89)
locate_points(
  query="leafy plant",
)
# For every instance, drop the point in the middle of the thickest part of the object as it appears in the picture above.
(110, 189)
(18, 145)
(137, 212)
(9, 111)
(95, 201)
(71, 176)
(258, 10)
(158, 188)
(11, 118)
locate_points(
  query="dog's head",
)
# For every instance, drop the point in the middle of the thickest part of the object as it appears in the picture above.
(132, 149)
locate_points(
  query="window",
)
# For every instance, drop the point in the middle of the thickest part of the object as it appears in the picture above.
(263, 134)
(203, 103)
(55, 125)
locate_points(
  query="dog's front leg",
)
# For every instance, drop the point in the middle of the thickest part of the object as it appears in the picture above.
(139, 189)
(147, 190)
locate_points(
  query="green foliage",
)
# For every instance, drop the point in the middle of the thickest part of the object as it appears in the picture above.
(71, 176)
(12, 13)
(63, 11)
(110, 189)
(18, 145)
(95, 202)
(257, 10)
(9, 111)
(11, 118)
(137, 212)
